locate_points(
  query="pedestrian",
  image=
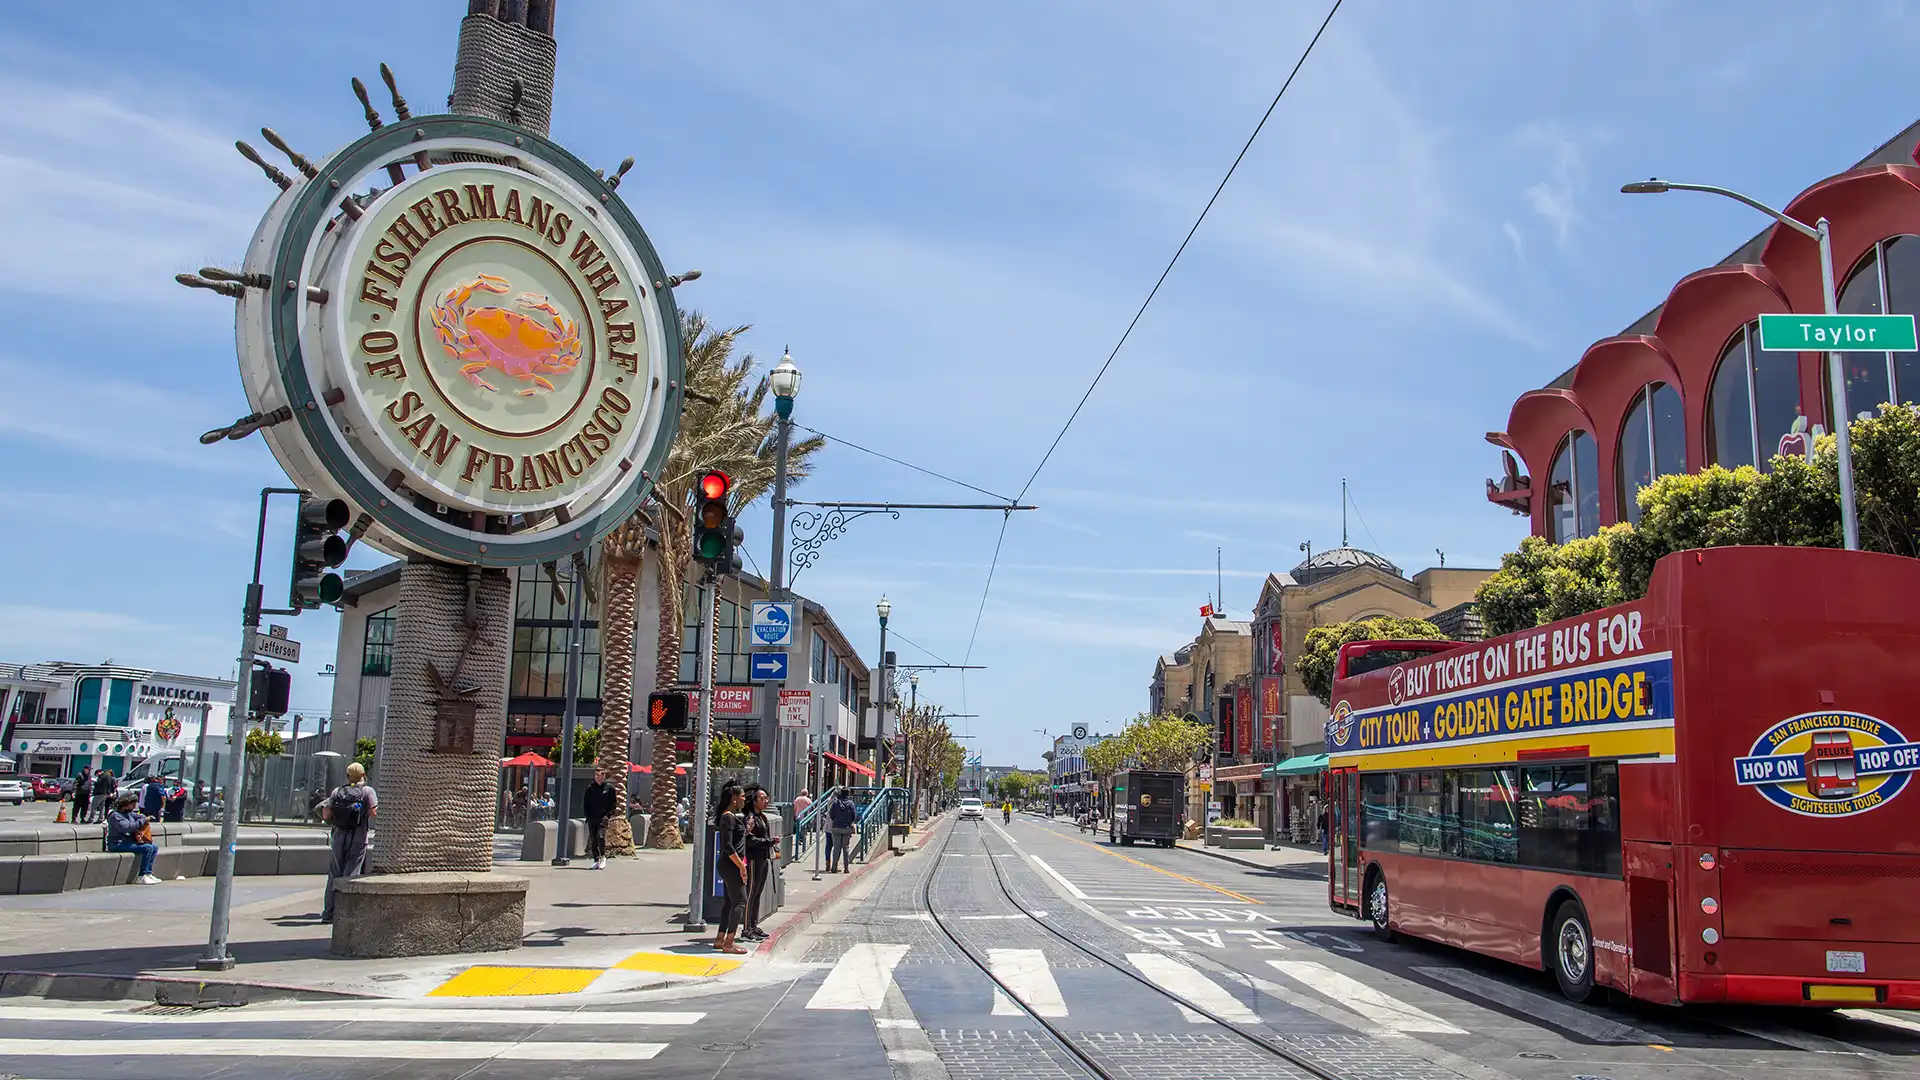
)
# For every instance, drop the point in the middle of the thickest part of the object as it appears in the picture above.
(82, 793)
(105, 787)
(349, 812)
(521, 800)
(800, 803)
(127, 831)
(153, 797)
(600, 801)
(176, 804)
(841, 816)
(763, 853)
(685, 819)
(730, 834)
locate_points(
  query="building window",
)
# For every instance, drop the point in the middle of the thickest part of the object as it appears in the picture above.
(540, 662)
(1573, 496)
(819, 659)
(1886, 281)
(1753, 402)
(376, 655)
(1653, 443)
(729, 642)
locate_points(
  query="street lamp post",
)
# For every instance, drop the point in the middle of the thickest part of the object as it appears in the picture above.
(1820, 233)
(883, 686)
(1050, 761)
(913, 713)
(784, 381)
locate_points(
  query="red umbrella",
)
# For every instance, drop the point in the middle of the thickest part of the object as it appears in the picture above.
(634, 767)
(524, 760)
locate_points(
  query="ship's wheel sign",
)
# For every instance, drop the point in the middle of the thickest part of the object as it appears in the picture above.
(481, 354)
(1829, 764)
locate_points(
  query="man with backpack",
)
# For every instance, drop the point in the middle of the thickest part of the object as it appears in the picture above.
(349, 810)
(841, 818)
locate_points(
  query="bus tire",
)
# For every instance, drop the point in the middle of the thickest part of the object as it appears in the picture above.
(1377, 904)
(1570, 951)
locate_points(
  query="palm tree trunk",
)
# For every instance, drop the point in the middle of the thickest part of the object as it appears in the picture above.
(664, 830)
(622, 573)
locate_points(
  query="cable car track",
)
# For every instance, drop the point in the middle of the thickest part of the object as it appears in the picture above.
(1061, 1037)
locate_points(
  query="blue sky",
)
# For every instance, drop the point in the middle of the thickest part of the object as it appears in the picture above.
(950, 215)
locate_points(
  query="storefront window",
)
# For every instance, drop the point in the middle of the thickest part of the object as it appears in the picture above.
(1886, 281)
(729, 641)
(1573, 499)
(1653, 443)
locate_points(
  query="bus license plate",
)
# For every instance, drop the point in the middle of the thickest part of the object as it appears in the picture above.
(1852, 963)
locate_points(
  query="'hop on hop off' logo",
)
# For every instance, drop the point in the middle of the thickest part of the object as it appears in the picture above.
(1829, 764)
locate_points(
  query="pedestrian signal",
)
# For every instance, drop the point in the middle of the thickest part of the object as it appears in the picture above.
(271, 692)
(667, 711)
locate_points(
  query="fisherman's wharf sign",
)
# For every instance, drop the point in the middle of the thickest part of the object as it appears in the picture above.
(481, 355)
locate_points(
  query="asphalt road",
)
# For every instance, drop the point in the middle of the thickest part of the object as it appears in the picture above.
(882, 991)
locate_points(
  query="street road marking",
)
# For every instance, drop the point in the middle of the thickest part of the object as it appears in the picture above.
(677, 964)
(1182, 981)
(1878, 1017)
(1072, 889)
(1541, 1007)
(916, 916)
(317, 1013)
(399, 1049)
(1155, 900)
(861, 978)
(1169, 873)
(1026, 973)
(486, 981)
(1389, 1012)
(1799, 1040)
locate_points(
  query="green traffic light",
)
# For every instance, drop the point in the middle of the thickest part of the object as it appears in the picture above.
(331, 588)
(711, 546)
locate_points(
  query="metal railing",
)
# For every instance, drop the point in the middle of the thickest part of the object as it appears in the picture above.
(878, 808)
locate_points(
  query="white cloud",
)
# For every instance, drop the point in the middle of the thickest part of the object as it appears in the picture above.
(1512, 233)
(111, 418)
(1554, 198)
(43, 633)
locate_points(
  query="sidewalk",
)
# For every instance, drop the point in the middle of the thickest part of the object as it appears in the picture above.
(1294, 859)
(587, 931)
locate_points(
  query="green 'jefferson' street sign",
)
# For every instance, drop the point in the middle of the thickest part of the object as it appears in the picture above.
(1836, 333)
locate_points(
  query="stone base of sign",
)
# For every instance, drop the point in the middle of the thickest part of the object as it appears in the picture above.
(428, 914)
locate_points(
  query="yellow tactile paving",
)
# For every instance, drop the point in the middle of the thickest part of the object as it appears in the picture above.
(516, 981)
(677, 964)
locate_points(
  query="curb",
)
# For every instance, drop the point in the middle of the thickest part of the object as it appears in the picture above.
(805, 916)
(159, 989)
(1218, 853)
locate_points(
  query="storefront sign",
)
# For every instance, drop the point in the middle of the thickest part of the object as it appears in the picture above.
(163, 694)
(1243, 714)
(1270, 712)
(733, 701)
(483, 356)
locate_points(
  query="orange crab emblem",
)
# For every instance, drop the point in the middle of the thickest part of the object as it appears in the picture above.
(515, 345)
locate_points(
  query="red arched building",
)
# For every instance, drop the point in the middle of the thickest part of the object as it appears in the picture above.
(1686, 386)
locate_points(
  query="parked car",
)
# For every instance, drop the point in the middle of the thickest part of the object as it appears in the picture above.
(14, 790)
(50, 788)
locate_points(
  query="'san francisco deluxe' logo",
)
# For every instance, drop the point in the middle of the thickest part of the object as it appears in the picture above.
(1340, 724)
(1829, 764)
(493, 339)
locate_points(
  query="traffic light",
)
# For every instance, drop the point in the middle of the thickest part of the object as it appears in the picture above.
(666, 712)
(317, 547)
(272, 690)
(715, 535)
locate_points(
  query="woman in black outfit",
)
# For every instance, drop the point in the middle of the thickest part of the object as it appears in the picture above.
(762, 851)
(730, 831)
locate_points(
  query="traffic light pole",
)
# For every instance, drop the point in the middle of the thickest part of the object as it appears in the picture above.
(702, 749)
(576, 607)
(218, 958)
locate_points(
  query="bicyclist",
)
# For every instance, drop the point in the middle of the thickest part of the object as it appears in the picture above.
(1006, 812)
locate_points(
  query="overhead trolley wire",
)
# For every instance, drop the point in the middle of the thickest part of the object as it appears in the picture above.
(1144, 304)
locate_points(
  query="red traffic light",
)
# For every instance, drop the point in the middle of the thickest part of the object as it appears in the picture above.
(715, 485)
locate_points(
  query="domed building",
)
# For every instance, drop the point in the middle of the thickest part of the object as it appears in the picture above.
(1336, 561)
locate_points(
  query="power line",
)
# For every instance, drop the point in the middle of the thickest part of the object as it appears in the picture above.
(1155, 291)
(919, 646)
(1355, 503)
(908, 464)
(1128, 332)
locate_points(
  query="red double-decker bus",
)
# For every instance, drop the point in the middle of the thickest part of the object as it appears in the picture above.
(1694, 797)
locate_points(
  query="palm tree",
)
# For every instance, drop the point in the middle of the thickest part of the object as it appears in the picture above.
(724, 425)
(621, 553)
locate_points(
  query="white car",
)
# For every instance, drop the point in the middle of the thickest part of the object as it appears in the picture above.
(972, 808)
(14, 790)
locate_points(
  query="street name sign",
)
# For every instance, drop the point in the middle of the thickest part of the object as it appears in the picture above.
(796, 709)
(772, 622)
(274, 647)
(1835, 333)
(767, 666)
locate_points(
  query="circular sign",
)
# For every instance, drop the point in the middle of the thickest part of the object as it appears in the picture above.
(1829, 764)
(478, 348)
(1080, 732)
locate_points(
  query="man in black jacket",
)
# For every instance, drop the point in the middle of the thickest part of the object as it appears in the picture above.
(601, 801)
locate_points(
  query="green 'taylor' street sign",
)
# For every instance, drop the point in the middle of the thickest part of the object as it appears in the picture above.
(1837, 333)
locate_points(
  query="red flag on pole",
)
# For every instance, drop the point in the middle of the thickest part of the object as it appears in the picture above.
(1206, 611)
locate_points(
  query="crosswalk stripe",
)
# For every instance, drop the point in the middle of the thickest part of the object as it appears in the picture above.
(860, 979)
(1878, 1017)
(1177, 978)
(1026, 973)
(352, 1014)
(1540, 1007)
(401, 1049)
(1383, 1009)
(1799, 1040)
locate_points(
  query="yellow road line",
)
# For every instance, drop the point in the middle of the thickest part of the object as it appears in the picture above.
(1163, 870)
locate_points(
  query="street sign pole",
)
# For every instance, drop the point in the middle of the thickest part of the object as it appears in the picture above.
(576, 646)
(702, 748)
(1837, 379)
